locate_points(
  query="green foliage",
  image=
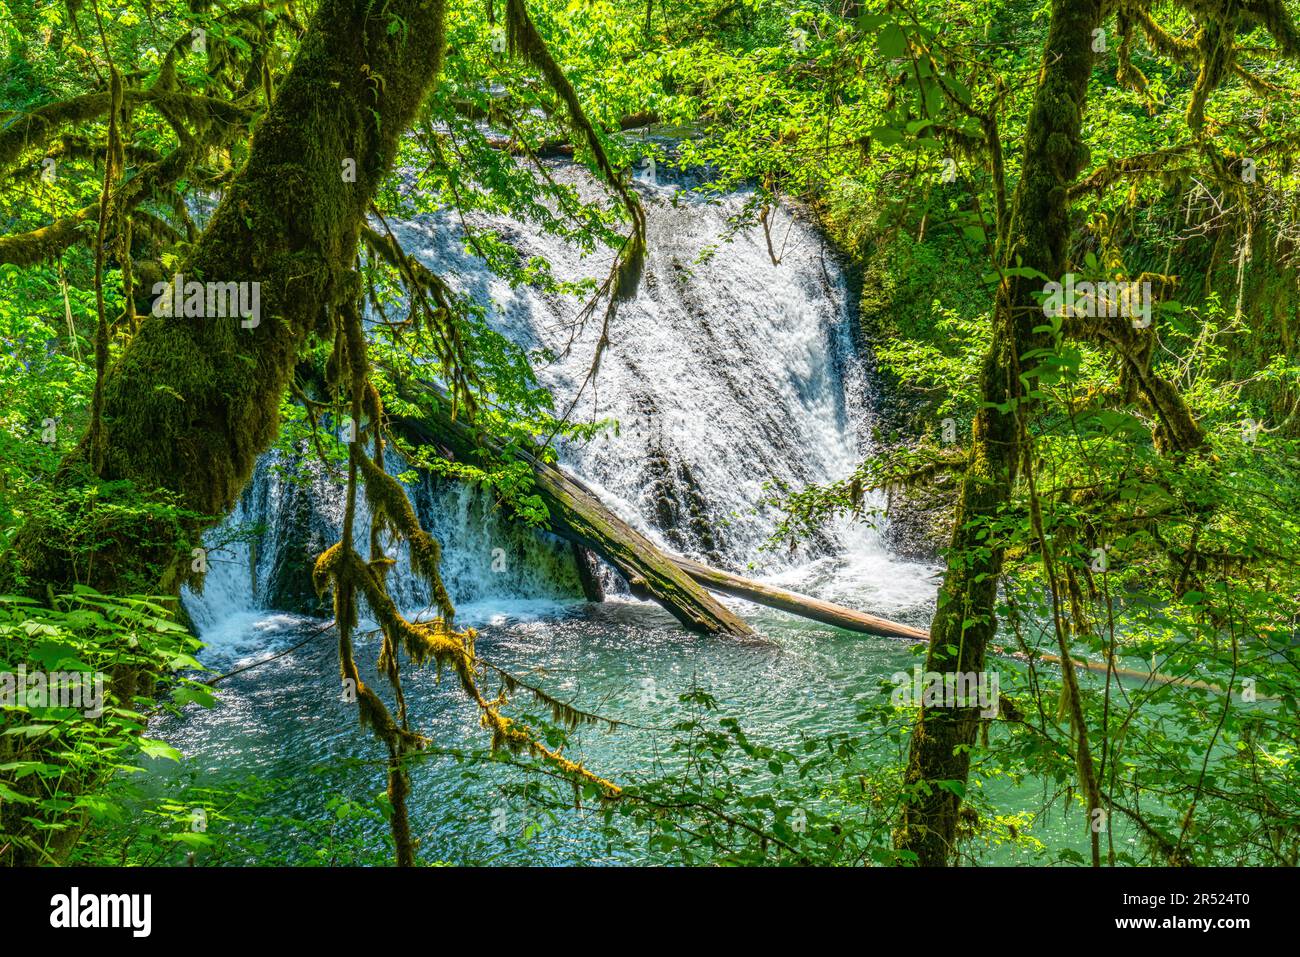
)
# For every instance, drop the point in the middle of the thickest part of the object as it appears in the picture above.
(879, 117)
(57, 758)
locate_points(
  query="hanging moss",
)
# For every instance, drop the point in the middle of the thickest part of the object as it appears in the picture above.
(1214, 45)
(524, 41)
(388, 499)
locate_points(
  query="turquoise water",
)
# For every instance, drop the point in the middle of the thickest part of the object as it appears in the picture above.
(622, 659)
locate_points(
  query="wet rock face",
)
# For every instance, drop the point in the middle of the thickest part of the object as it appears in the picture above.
(285, 533)
(673, 500)
(680, 510)
(303, 536)
(920, 521)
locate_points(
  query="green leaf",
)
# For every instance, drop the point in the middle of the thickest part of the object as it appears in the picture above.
(892, 41)
(153, 748)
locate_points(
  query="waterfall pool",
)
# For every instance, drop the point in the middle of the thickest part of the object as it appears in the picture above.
(286, 720)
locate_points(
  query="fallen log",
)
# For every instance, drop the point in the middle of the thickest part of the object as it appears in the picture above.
(559, 488)
(579, 516)
(796, 604)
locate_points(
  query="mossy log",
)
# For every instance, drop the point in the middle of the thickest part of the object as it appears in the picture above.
(579, 516)
(601, 530)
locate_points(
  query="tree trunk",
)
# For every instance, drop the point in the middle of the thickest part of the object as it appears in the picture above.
(1037, 237)
(801, 605)
(191, 402)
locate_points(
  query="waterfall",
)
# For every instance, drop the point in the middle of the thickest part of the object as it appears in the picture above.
(728, 371)
(260, 558)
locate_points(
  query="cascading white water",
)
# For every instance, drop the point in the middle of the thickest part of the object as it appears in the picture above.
(728, 371)
(259, 558)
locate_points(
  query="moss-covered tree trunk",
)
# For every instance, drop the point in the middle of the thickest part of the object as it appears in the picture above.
(1037, 237)
(192, 402)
